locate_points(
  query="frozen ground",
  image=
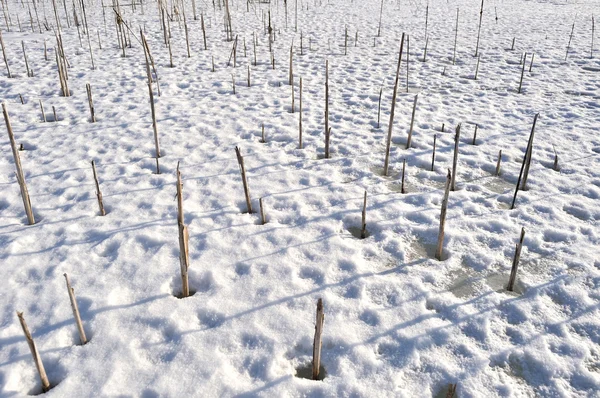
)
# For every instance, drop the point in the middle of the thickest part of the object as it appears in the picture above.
(397, 321)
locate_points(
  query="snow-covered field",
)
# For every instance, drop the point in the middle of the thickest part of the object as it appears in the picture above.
(398, 322)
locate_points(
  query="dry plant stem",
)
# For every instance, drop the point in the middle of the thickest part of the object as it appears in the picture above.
(479, 29)
(20, 174)
(379, 107)
(440, 242)
(528, 156)
(363, 229)
(592, 45)
(327, 109)
(412, 122)
(35, 354)
(433, 155)
(391, 124)
(90, 102)
(529, 143)
(476, 69)
(531, 63)
(98, 193)
(300, 119)
(402, 190)
(317, 343)
(425, 50)
(407, 59)
(475, 135)
(522, 73)
(455, 159)
(515, 264)
(75, 308)
(43, 114)
(498, 163)
(184, 255)
(455, 39)
(570, 38)
(263, 217)
(240, 159)
(451, 390)
(4, 54)
(29, 71)
(203, 30)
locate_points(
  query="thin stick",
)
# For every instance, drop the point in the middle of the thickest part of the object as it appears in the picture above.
(531, 63)
(4, 54)
(380, 17)
(455, 160)
(498, 163)
(263, 217)
(402, 190)
(379, 107)
(391, 124)
(34, 353)
(184, 255)
(433, 155)
(291, 72)
(204, 30)
(90, 102)
(363, 229)
(29, 71)
(555, 166)
(240, 159)
(43, 114)
(98, 193)
(592, 45)
(455, 38)
(293, 95)
(407, 59)
(440, 243)
(479, 29)
(476, 69)
(570, 38)
(425, 50)
(412, 122)
(317, 343)
(20, 174)
(529, 143)
(263, 139)
(475, 135)
(522, 73)
(300, 119)
(515, 264)
(75, 309)
(327, 129)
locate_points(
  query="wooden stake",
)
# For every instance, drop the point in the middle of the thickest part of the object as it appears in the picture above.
(363, 229)
(512, 47)
(317, 343)
(43, 114)
(293, 95)
(54, 113)
(98, 193)
(35, 354)
(204, 32)
(240, 159)
(529, 143)
(75, 309)
(498, 163)
(515, 264)
(531, 63)
(88, 88)
(402, 190)
(475, 135)
(433, 155)
(4, 54)
(248, 75)
(425, 50)
(291, 72)
(29, 71)
(440, 243)
(455, 160)
(263, 218)
(407, 59)
(528, 156)
(263, 139)
(476, 69)
(327, 129)
(20, 174)
(327, 140)
(412, 121)
(389, 136)
(184, 255)
(455, 39)
(570, 38)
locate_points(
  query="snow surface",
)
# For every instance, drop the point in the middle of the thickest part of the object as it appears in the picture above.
(397, 321)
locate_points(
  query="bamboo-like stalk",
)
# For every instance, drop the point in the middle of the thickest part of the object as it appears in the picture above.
(184, 255)
(240, 159)
(525, 160)
(43, 114)
(402, 190)
(479, 29)
(98, 192)
(433, 154)
(300, 118)
(152, 109)
(363, 224)
(263, 138)
(291, 72)
(455, 39)
(522, 73)
(4, 55)
(203, 30)
(29, 71)
(592, 45)
(425, 50)
(475, 135)
(34, 353)
(476, 69)
(455, 159)
(75, 308)
(407, 60)
(317, 343)
(391, 124)
(327, 129)
(515, 264)
(412, 121)
(570, 38)
(440, 243)
(88, 88)
(20, 174)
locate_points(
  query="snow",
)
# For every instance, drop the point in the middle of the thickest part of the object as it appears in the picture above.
(397, 321)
